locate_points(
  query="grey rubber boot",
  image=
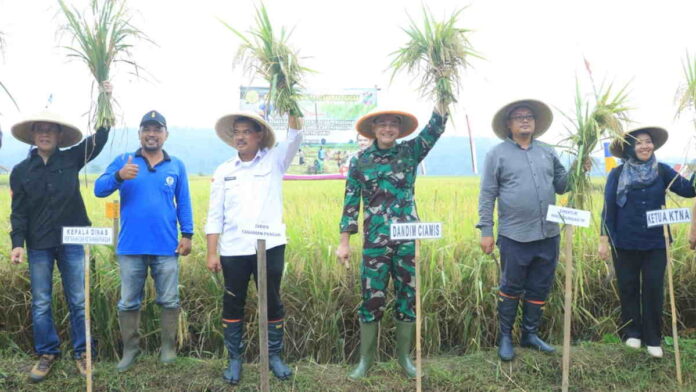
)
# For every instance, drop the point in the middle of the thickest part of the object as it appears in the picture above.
(169, 322)
(129, 322)
(368, 348)
(233, 333)
(531, 317)
(275, 346)
(507, 312)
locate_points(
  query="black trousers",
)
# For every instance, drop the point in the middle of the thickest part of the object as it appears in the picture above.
(238, 269)
(528, 267)
(640, 275)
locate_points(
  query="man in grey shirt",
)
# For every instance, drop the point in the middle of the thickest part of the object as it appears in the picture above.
(524, 175)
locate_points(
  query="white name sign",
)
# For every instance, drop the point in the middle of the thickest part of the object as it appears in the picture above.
(415, 230)
(668, 216)
(88, 235)
(263, 231)
(569, 216)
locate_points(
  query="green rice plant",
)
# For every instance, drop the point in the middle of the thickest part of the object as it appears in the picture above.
(101, 37)
(268, 55)
(686, 99)
(591, 124)
(438, 52)
(321, 298)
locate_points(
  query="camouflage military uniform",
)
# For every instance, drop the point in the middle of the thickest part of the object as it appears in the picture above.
(386, 181)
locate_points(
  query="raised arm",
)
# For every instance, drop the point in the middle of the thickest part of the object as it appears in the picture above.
(428, 136)
(287, 149)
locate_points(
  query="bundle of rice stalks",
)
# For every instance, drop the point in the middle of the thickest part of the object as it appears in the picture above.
(102, 36)
(269, 56)
(687, 93)
(438, 51)
(591, 125)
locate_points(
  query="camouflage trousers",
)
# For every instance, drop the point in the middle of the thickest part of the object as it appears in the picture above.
(396, 259)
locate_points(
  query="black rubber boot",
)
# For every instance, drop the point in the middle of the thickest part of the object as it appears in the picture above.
(507, 311)
(275, 346)
(233, 333)
(531, 317)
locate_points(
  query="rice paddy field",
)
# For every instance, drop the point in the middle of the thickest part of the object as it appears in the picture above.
(459, 283)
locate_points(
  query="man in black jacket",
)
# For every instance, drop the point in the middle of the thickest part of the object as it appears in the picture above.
(45, 198)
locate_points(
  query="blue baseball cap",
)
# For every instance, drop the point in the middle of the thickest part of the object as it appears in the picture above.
(155, 117)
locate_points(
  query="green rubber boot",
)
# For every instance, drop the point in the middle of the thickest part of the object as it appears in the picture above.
(368, 348)
(129, 323)
(169, 321)
(404, 341)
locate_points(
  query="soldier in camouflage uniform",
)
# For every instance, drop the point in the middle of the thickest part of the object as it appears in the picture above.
(384, 176)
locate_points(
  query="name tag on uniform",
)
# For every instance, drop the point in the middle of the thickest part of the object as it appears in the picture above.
(231, 178)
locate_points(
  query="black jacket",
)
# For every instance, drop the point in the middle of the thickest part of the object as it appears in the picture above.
(46, 197)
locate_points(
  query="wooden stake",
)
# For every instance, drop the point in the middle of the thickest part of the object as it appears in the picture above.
(88, 333)
(262, 291)
(568, 304)
(419, 363)
(673, 306)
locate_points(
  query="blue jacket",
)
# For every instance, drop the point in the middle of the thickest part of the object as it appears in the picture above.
(151, 204)
(627, 226)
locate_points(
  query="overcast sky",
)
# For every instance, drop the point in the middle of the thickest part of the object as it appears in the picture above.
(532, 48)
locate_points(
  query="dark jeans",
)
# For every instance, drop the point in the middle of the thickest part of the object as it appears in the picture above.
(528, 267)
(71, 264)
(238, 269)
(640, 275)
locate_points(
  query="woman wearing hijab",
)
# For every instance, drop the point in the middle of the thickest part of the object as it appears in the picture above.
(633, 188)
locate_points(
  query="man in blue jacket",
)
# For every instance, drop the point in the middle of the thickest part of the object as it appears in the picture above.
(154, 195)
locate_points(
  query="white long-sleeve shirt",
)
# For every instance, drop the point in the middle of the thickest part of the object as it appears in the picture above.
(248, 193)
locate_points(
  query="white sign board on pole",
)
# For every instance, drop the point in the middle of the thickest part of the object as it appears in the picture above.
(415, 230)
(568, 216)
(668, 216)
(263, 231)
(88, 235)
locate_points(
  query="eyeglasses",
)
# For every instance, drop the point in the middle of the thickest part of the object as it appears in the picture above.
(246, 132)
(527, 117)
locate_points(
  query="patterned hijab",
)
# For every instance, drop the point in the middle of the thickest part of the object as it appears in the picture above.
(636, 174)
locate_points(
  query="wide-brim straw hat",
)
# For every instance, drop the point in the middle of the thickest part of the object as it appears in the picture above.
(408, 124)
(543, 117)
(224, 124)
(70, 134)
(657, 134)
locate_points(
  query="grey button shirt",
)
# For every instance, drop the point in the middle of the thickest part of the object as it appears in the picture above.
(525, 182)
